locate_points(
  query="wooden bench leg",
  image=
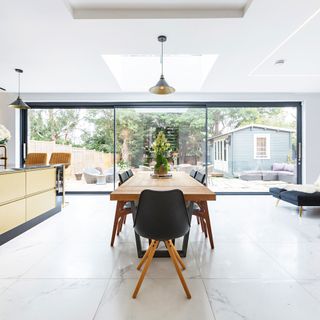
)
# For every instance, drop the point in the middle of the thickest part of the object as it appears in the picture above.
(300, 210)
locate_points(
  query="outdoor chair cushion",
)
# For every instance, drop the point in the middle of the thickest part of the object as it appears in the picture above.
(269, 175)
(286, 176)
(278, 166)
(251, 175)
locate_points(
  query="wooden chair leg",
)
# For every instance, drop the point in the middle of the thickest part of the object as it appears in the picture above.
(175, 262)
(204, 227)
(201, 224)
(208, 224)
(125, 219)
(144, 258)
(115, 222)
(120, 223)
(277, 202)
(300, 210)
(145, 269)
(178, 257)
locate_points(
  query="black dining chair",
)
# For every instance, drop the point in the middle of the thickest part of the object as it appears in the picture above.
(161, 216)
(200, 177)
(129, 173)
(193, 173)
(123, 177)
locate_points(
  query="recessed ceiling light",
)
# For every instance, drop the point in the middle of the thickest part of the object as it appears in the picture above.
(279, 62)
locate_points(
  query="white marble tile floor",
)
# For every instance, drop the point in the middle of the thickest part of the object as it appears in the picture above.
(265, 266)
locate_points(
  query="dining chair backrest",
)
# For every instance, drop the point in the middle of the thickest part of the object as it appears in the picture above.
(161, 215)
(200, 177)
(123, 177)
(193, 173)
(129, 173)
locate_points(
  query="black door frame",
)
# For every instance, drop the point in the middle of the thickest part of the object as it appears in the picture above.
(180, 104)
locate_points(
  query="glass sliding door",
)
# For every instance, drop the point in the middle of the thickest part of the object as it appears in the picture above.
(137, 128)
(251, 149)
(88, 134)
(243, 147)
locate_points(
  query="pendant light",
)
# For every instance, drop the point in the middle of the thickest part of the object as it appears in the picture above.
(162, 86)
(18, 103)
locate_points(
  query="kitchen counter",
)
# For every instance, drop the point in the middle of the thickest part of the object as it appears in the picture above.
(27, 197)
(23, 169)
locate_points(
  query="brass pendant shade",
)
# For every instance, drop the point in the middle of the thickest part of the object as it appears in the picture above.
(18, 103)
(162, 87)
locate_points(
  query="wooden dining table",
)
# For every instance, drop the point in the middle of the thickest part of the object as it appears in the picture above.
(130, 191)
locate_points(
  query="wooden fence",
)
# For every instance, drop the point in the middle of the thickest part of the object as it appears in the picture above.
(81, 158)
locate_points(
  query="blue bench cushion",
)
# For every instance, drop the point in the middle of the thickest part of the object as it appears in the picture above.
(276, 192)
(301, 198)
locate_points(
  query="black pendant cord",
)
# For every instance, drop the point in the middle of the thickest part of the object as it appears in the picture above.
(161, 60)
(19, 84)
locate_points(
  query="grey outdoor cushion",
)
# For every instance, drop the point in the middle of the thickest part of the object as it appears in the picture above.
(269, 175)
(286, 176)
(251, 175)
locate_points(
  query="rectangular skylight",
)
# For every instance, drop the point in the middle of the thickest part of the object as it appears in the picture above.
(137, 73)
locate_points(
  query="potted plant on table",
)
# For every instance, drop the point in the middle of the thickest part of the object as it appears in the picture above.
(161, 148)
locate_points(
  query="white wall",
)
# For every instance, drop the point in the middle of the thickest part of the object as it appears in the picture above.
(10, 119)
(311, 113)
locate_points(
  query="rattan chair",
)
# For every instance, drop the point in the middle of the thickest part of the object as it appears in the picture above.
(60, 158)
(34, 159)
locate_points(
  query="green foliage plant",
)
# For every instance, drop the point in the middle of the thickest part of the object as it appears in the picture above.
(161, 148)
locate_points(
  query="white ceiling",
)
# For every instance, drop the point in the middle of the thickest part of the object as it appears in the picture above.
(62, 54)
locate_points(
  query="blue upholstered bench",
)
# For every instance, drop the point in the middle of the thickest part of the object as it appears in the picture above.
(298, 198)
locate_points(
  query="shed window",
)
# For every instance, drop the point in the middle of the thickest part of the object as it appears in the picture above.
(262, 146)
(220, 150)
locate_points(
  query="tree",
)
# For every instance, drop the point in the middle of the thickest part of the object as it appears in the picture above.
(53, 125)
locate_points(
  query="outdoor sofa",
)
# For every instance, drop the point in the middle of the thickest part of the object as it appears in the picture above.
(279, 172)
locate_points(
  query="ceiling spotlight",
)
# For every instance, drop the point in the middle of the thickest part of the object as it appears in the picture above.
(279, 62)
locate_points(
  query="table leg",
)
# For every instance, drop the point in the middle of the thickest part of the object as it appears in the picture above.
(207, 218)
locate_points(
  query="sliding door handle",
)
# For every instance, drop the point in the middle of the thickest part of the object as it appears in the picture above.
(299, 152)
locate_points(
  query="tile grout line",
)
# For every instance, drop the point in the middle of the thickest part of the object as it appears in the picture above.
(101, 299)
